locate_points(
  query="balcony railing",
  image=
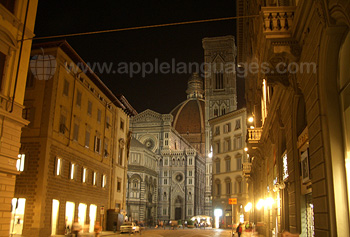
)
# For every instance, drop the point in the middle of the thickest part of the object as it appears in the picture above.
(254, 135)
(247, 168)
(278, 21)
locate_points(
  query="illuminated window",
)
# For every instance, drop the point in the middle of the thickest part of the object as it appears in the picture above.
(82, 214)
(70, 207)
(58, 166)
(84, 175)
(72, 171)
(94, 177)
(103, 181)
(20, 162)
(54, 219)
(285, 166)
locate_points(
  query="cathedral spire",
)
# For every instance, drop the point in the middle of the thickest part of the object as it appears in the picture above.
(195, 87)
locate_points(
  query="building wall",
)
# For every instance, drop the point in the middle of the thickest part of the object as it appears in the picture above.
(306, 111)
(180, 169)
(14, 60)
(73, 120)
(228, 142)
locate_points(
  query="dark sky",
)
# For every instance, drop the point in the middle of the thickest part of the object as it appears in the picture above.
(160, 92)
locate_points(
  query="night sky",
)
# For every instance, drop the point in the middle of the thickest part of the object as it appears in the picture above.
(159, 92)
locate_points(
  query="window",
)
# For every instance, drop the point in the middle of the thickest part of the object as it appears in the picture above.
(166, 143)
(217, 147)
(120, 156)
(119, 185)
(227, 128)
(89, 109)
(164, 211)
(99, 114)
(217, 130)
(20, 162)
(84, 175)
(166, 161)
(217, 166)
(65, 87)
(190, 173)
(238, 124)
(228, 187)
(104, 179)
(189, 181)
(58, 166)
(228, 164)
(62, 127)
(121, 124)
(72, 171)
(165, 181)
(227, 145)
(216, 112)
(219, 80)
(218, 187)
(223, 111)
(76, 132)
(97, 144)
(87, 138)
(239, 163)
(166, 135)
(78, 99)
(238, 142)
(239, 185)
(165, 173)
(106, 148)
(108, 122)
(94, 178)
(190, 161)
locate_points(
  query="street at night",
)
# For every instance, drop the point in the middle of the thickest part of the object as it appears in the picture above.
(175, 118)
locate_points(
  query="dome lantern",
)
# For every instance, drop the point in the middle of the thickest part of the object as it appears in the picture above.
(195, 87)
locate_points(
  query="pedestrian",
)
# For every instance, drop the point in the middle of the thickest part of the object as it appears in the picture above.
(239, 230)
(76, 227)
(97, 229)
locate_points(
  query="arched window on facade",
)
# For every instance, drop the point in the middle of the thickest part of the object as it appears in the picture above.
(228, 185)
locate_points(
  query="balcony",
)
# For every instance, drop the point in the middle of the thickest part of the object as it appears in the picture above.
(254, 135)
(247, 168)
(278, 21)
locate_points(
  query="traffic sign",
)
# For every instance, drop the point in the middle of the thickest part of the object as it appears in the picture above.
(232, 201)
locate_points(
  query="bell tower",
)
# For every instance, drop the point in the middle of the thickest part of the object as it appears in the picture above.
(220, 93)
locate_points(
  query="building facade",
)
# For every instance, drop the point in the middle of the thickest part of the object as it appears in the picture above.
(75, 146)
(17, 23)
(142, 185)
(228, 141)
(180, 168)
(220, 94)
(299, 104)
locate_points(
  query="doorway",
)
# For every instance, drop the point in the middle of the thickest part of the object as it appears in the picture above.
(178, 213)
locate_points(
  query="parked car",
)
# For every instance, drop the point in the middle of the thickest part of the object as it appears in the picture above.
(129, 227)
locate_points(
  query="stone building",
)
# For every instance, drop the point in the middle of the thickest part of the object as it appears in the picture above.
(75, 146)
(228, 141)
(17, 23)
(299, 104)
(142, 185)
(220, 94)
(176, 140)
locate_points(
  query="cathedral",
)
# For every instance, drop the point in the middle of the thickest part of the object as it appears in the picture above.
(170, 164)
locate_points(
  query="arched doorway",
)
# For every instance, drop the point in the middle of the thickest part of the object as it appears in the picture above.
(178, 208)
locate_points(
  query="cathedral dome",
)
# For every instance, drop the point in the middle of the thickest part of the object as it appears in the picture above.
(189, 116)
